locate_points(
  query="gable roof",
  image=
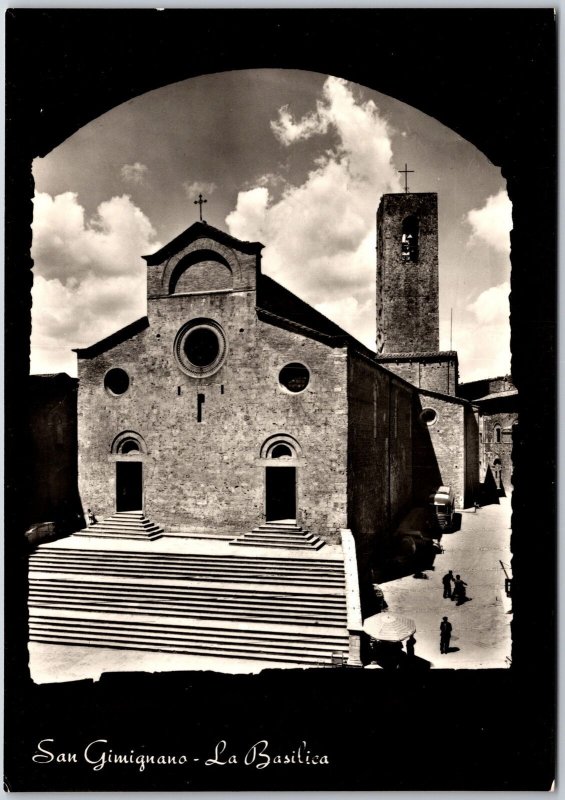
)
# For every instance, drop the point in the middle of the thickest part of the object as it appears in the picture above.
(111, 341)
(281, 302)
(200, 230)
(497, 395)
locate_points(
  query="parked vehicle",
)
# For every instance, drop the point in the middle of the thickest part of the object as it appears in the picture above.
(413, 532)
(40, 532)
(442, 503)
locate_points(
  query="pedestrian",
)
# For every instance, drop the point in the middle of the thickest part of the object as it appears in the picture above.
(446, 580)
(459, 592)
(91, 519)
(444, 635)
(410, 646)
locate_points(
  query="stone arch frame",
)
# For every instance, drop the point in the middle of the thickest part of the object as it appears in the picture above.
(190, 259)
(202, 250)
(280, 438)
(122, 438)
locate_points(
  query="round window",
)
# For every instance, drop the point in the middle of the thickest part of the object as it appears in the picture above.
(116, 381)
(294, 377)
(200, 348)
(428, 416)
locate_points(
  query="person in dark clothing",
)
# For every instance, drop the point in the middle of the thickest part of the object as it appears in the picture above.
(459, 592)
(444, 635)
(410, 642)
(446, 580)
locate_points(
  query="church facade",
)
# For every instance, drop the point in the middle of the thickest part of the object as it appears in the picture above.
(234, 402)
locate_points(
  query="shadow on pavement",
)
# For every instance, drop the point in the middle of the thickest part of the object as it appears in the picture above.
(414, 664)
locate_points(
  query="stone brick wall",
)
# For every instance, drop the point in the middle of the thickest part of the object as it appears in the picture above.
(407, 291)
(437, 374)
(471, 455)
(447, 437)
(380, 456)
(210, 474)
(492, 451)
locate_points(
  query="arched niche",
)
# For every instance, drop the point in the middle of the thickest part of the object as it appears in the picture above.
(200, 271)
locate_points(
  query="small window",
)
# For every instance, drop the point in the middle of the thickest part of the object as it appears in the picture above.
(116, 381)
(428, 416)
(497, 433)
(409, 242)
(294, 377)
(281, 451)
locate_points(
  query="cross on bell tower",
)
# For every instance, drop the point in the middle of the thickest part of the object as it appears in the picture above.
(199, 202)
(405, 172)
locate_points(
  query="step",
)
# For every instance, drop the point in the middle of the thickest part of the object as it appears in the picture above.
(271, 537)
(279, 526)
(253, 591)
(151, 554)
(304, 546)
(190, 641)
(140, 524)
(263, 620)
(275, 532)
(172, 593)
(118, 535)
(319, 613)
(124, 525)
(191, 560)
(322, 582)
(185, 637)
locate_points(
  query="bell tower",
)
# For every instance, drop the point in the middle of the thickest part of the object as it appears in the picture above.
(407, 274)
(408, 292)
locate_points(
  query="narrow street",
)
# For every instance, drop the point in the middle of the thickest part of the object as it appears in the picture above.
(481, 637)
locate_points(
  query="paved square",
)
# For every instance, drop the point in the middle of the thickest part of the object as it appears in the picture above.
(481, 626)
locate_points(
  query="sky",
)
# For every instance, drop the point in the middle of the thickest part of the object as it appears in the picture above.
(293, 159)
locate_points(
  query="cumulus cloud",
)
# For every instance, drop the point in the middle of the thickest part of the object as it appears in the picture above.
(288, 131)
(492, 223)
(198, 187)
(134, 173)
(320, 235)
(89, 278)
(483, 340)
(491, 306)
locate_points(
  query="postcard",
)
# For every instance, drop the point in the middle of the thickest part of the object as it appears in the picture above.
(280, 359)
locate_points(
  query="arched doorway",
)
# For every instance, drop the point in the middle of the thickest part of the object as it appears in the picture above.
(129, 450)
(280, 493)
(129, 486)
(281, 488)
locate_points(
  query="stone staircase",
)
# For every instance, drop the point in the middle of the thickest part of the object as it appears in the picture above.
(125, 525)
(284, 610)
(282, 534)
